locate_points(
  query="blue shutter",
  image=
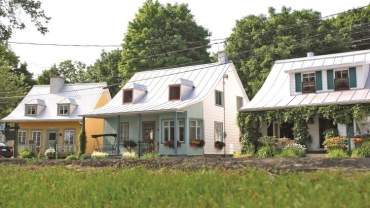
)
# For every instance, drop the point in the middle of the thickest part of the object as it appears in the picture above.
(298, 82)
(330, 79)
(318, 80)
(352, 77)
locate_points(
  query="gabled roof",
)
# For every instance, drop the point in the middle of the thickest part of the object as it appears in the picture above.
(275, 92)
(204, 78)
(85, 95)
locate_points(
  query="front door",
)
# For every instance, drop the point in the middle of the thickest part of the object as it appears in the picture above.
(148, 132)
(52, 139)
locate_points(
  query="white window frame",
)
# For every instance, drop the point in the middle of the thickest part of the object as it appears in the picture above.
(36, 137)
(65, 108)
(125, 131)
(198, 128)
(69, 136)
(168, 124)
(31, 110)
(218, 131)
(22, 137)
(221, 93)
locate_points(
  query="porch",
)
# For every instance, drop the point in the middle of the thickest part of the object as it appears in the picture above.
(154, 133)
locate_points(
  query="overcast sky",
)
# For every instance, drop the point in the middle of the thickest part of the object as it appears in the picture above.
(106, 21)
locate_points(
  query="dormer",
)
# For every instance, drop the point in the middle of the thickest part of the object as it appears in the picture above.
(66, 107)
(34, 107)
(133, 93)
(180, 90)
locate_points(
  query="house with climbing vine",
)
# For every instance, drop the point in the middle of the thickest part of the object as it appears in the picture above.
(303, 98)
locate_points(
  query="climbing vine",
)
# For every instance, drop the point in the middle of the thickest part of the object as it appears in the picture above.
(249, 122)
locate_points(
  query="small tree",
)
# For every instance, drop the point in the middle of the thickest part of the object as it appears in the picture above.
(82, 138)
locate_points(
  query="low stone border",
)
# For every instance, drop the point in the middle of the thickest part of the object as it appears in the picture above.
(196, 163)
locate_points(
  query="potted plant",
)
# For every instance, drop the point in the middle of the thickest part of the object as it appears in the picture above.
(50, 153)
(196, 143)
(357, 140)
(219, 145)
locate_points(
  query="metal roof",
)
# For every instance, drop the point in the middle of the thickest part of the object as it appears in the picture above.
(204, 78)
(84, 95)
(275, 92)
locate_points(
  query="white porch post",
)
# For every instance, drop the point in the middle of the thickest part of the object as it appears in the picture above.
(176, 138)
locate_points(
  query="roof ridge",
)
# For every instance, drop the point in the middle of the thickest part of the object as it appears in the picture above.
(162, 69)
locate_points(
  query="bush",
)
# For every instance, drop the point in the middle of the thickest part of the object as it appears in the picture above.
(150, 155)
(71, 157)
(329, 133)
(248, 149)
(50, 153)
(129, 155)
(242, 155)
(362, 151)
(99, 155)
(85, 156)
(335, 143)
(26, 154)
(293, 150)
(337, 153)
(265, 152)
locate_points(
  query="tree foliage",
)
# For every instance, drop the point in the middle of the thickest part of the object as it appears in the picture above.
(257, 41)
(71, 71)
(10, 11)
(158, 29)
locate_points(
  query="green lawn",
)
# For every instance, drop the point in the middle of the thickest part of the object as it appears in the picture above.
(30, 186)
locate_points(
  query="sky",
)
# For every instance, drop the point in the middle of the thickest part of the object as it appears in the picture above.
(104, 22)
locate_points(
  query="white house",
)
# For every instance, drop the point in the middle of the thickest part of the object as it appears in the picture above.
(341, 79)
(203, 99)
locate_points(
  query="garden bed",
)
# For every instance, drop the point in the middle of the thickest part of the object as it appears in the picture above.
(196, 163)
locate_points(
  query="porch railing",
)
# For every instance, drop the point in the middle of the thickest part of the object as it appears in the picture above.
(140, 148)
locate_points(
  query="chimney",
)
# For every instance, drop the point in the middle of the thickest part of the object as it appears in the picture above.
(310, 54)
(222, 57)
(56, 84)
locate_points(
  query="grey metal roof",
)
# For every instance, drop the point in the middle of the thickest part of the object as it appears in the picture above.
(275, 92)
(204, 78)
(84, 95)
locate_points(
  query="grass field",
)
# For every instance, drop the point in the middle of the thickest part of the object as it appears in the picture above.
(34, 186)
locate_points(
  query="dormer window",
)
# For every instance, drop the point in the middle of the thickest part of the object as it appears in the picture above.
(63, 109)
(31, 110)
(127, 96)
(174, 92)
(308, 83)
(341, 81)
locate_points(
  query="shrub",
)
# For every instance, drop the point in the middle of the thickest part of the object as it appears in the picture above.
(265, 152)
(335, 143)
(71, 157)
(337, 153)
(85, 156)
(129, 155)
(99, 155)
(26, 154)
(329, 133)
(248, 149)
(50, 153)
(242, 155)
(150, 155)
(266, 141)
(293, 150)
(362, 151)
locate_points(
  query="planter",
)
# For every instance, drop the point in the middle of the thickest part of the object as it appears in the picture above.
(196, 143)
(170, 144)
(219, 145)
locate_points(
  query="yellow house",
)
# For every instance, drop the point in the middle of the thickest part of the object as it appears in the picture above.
(49, 116)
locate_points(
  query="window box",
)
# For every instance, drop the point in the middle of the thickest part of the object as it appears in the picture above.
(219, 145)
(170, 144)
(197, 143)
(341, 84)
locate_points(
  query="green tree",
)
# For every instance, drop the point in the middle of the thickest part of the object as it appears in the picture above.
(158, 29)
(106, 69)
(72, 72)
(257, 41)
(10, 11)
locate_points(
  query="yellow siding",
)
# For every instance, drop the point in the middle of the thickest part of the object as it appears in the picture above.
(96, 126)
(44, 127)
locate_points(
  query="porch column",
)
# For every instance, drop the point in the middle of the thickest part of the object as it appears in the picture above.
(140, 134)
(118, 134)
(176, 138)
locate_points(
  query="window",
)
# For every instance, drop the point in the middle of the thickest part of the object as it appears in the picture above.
(308, 83)
(127, 96)
(341, 81)
(125, 131)
(239, 102)
(31, 110)
(22, 137)
(69, 136)
(63, 109)
(219, 130)
(169, 130)
(195, 129)
(36, 138)
(174, 92)
(219, 98)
